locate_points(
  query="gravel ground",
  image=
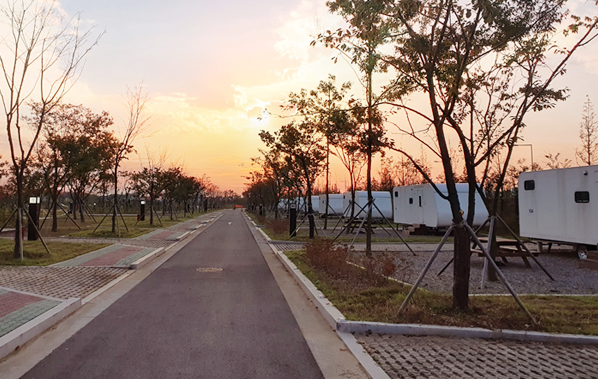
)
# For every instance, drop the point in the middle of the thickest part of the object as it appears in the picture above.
(569, 278)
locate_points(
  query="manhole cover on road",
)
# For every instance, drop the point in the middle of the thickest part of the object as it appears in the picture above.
(209, 269)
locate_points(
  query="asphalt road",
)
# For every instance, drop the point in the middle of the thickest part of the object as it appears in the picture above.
(183, 323)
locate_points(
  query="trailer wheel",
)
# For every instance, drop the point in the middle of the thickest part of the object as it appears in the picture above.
(582, 251)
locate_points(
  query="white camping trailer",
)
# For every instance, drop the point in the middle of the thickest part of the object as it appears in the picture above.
(421, 205)
(315, 204)
(382, 199)
(335, 204)
(560, 206)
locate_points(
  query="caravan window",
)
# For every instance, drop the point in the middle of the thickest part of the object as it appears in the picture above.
(396, 194)
(529, 185)
(582, 197)
(410, 200)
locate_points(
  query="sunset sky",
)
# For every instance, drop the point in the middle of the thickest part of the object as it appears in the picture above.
(212, 67)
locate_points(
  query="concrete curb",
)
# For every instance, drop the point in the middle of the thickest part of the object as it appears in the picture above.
(106, 287)
(181, 237)
(21, 335)
(453, 331)
(24, 333)
(330, 313)
(146, 259)
(333, 316)
(362, 327)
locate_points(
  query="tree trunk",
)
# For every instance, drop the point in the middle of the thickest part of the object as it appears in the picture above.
(114, 213)
(461, 268)
(18, 253)
(55, 213)
(327, 182)
(151, 207)
(81, 208)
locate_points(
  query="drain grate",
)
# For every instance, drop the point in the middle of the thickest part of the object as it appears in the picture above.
(209, 269)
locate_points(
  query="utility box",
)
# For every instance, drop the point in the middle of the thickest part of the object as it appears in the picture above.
(421, 205)
(382, 200)
(560, 205)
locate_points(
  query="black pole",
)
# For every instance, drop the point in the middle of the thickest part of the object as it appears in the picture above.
(142, 211)
(33, 221)
(293, 221)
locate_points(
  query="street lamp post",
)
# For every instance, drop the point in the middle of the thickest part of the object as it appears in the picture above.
(531, 149)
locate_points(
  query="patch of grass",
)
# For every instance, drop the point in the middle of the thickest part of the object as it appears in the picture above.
(136, 229)
(34, 253)
(359, 301)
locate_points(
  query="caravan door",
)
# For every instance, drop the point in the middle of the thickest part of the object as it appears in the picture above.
(419, 205)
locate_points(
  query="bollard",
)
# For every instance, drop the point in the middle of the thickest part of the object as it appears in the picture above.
(34, 204)
(293, 221)
(142, 211)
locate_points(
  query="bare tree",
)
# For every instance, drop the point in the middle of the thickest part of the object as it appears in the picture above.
(42, 56)
(588, 134)
(137, 120)
(148, 180)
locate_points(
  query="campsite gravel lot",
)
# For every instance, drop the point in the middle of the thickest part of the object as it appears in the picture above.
(561, 264)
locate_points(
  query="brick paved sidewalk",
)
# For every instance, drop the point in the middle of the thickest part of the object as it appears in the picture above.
(441, 357)
(58, 282)
(111, 256)
(17, 309)
(29, 292)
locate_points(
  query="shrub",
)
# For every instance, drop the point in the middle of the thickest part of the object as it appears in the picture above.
(260, 219)
(278, 226)
(324, 255)
(378, 267)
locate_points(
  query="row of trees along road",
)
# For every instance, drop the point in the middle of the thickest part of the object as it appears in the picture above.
(56, 146)
(482, 66)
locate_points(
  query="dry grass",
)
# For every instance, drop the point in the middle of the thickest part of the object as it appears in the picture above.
(359, 297)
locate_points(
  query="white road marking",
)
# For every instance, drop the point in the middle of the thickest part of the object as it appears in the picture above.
(230, 223)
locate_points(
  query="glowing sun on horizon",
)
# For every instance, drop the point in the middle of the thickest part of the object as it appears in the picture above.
(261, 120)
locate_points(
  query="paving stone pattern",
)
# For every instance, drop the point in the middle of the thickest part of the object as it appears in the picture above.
(24, 313)
(58, 282)
(440, 357)
(11, 301)
(112, 256)
(122, 241)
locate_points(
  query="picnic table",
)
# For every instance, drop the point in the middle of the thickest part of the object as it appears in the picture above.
(508, 248)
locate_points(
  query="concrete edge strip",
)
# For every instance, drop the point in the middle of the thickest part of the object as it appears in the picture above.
(24, 333)
(364, 358)
(32, 294)
(362, 327)
(329, 312)
(343, 326)
(182, 236)
(147, 258)
(458, 332)
(106, 287)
